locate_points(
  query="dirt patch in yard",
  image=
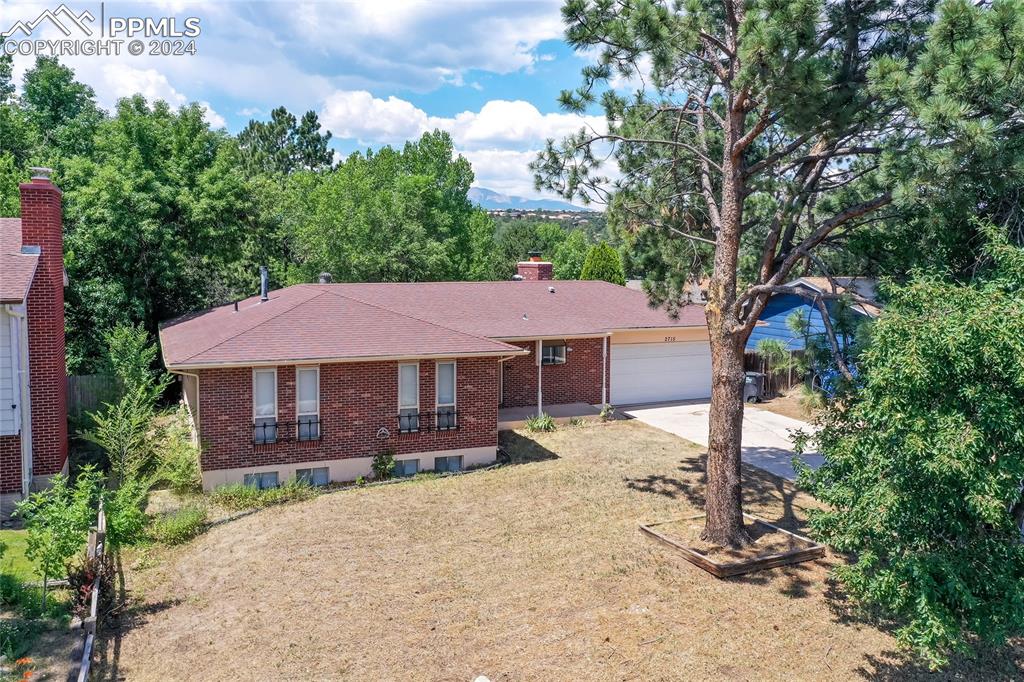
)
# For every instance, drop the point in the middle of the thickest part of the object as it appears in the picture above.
(788, 405)
(764, 540)
(530, 572)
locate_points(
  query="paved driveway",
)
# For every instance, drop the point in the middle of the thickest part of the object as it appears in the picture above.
(766, 440)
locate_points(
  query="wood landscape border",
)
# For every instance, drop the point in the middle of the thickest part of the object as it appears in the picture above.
(81, 656)
(728, 569)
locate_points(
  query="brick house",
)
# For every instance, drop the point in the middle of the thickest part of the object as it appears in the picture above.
(33, 374)
(312, 380)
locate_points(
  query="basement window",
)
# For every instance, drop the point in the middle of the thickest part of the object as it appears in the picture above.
(448, 464)
(407, 467)
(315, 476)
(553, 353)
(262, 480)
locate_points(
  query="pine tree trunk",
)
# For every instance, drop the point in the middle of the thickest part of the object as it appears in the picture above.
(724, 501)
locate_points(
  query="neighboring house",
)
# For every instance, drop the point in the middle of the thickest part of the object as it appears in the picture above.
(772, 324)
(33, 375)
(314, 379)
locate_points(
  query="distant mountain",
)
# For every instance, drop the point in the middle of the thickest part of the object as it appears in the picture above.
(489, 199)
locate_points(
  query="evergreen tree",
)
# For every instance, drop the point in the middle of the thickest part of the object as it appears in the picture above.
(284, 145)
(754, 123)
(603, 263)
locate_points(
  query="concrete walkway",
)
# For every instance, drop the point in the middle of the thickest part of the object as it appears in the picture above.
(766, 440)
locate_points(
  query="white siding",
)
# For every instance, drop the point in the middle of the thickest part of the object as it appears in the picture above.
(8, 377)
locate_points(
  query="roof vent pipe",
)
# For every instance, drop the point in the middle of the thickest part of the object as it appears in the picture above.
(325, 278)
(264, 284)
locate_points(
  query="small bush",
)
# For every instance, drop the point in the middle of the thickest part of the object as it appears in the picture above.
(383, 465)
(179, 458)
(360, 481)
(238, 496)
(292, 490)
(81, 576)
(607, 413)
(542, 423)
(179, 526)
(126, 520)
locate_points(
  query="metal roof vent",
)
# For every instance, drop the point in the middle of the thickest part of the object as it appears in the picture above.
(326, 278)
(525, 316)
(551, 289)
(517, 278)
(264, 284)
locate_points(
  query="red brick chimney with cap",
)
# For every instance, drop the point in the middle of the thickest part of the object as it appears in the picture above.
(535, 268)
(42, 227)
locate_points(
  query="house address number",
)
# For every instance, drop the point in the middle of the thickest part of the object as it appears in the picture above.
(669, 339)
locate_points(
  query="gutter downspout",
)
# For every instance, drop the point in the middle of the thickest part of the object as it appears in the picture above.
(604, 372)
(540, 390)
(195, 417)
(24, 400)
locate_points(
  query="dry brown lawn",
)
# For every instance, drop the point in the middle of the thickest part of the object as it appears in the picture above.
(528, 572)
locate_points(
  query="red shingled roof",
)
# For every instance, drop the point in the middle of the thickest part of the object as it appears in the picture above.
(16, 268)
(361, 321)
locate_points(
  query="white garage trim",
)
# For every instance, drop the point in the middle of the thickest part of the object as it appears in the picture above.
(660, 372)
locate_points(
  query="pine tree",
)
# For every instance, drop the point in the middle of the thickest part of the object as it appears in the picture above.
(754, 125)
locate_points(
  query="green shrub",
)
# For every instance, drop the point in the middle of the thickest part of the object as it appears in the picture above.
(577, 421)
(180, 526)
(292, 490)
(383, 465)
(126, 518)
(238, 496)
(542, 423)
(178, 457)
(607, 413)
(923, 465)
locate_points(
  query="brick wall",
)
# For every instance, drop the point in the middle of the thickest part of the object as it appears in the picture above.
(41, 225)
(10, 464)
(533, 271)
(356, 400)
(577, 381)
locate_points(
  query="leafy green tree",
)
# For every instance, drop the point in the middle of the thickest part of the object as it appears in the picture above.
(57, 521)
(569, 256)
(754, 124)
(603, 263)
(153, 218)
(924, 465)
(284, 145)
(62, 110)
(7, 88)
(386, 216)
(132, 359)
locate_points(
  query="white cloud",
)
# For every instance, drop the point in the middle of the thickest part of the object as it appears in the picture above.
(360, 116)
(499, 123)
(503, 170)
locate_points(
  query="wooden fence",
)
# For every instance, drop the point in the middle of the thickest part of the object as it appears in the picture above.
(777, 379)
(81, 661)
(88, 392)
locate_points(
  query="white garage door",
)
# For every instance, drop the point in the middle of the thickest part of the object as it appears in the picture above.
(657, 372)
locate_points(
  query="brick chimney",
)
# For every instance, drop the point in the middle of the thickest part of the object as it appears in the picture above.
(42, 227)
(534, 269)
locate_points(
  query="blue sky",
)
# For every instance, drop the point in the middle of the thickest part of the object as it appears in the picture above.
(377, 72)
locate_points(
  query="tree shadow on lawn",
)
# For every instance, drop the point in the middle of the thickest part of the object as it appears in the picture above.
(763, 494)
(523, 450)
(124, 616)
